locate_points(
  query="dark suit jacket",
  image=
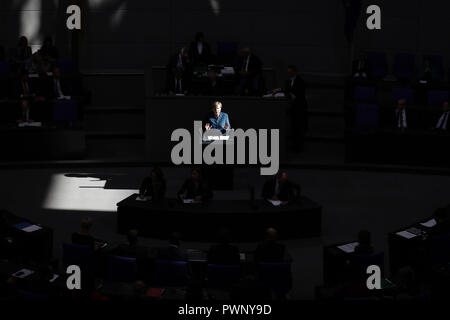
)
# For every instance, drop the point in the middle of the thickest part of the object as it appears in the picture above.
(189, 187)
(270, 251)
(412, 119)
(157, 191)
(298, 90)
(19, 91)
(83, 239)
(223, 254)
(173, 253)
(254, 65)
(289, 191)
(364, 249)
(200, 59)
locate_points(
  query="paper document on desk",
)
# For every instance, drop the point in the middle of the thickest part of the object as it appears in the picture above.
(276, 95)
(275, 203)
(429, 224)
(64, 97)
(32, 228)
(23, 273)
(349, 247)
(190, 201)
(30, 124)
(406, 234)
(242, 256)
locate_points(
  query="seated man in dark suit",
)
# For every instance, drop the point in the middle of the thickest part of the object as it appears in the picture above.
(133, 250)
(200, 51)
(178, 84)
(154, 187)
(195, 187)
(83, 237)
(404, 117)
(173, 251)
(270, 250)
(249, 73)
(281, 188)
(223, 252)
(443, 123)
(364, 243)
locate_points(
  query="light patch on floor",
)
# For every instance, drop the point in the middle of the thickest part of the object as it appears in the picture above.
(82, 194)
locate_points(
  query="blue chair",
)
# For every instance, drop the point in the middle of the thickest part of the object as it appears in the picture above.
(404, 65)
(403, 93)
(171, 273)
(65, 110)
(378, 64)
(82, 256)
(437, 63)
(4, 69)
(276, 276)
(437, 97)
(227, 52)
(364, 94)
(360, 262)
(367, 116)
(121, 269)
(67, 66)
(223, 276)
(440, 249)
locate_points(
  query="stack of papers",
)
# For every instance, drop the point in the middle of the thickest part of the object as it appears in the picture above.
(27, 227)
(30, 124)
(275, 203)
(64, 97)
(227, 70)
(276, 95)
(349, 247)
(406, 234)
(23, 273)
(429, 224)
(190, 201)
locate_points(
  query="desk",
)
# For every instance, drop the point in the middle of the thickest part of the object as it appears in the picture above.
(164, 114)
(203, 221)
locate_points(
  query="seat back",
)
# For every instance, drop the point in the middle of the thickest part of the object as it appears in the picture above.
(276, 276)
(360, 262)
(404, 65)
(440, 249)
(171, 273)
(121, 269)
(65, 110)
(227, 52)
(82, 256)
(223, 276)
(367, 116)
(403, 93)
(437, 97)
(378, 64)
(363, 94)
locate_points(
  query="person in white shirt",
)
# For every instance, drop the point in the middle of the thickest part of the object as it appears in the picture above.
(443, 122)
(401, 115)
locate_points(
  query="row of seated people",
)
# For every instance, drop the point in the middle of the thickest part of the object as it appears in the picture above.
(21, 57)
(190, 64)
(345, 269)
(197, 188)
(374, 65)
(404, 117)
(31, 98)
